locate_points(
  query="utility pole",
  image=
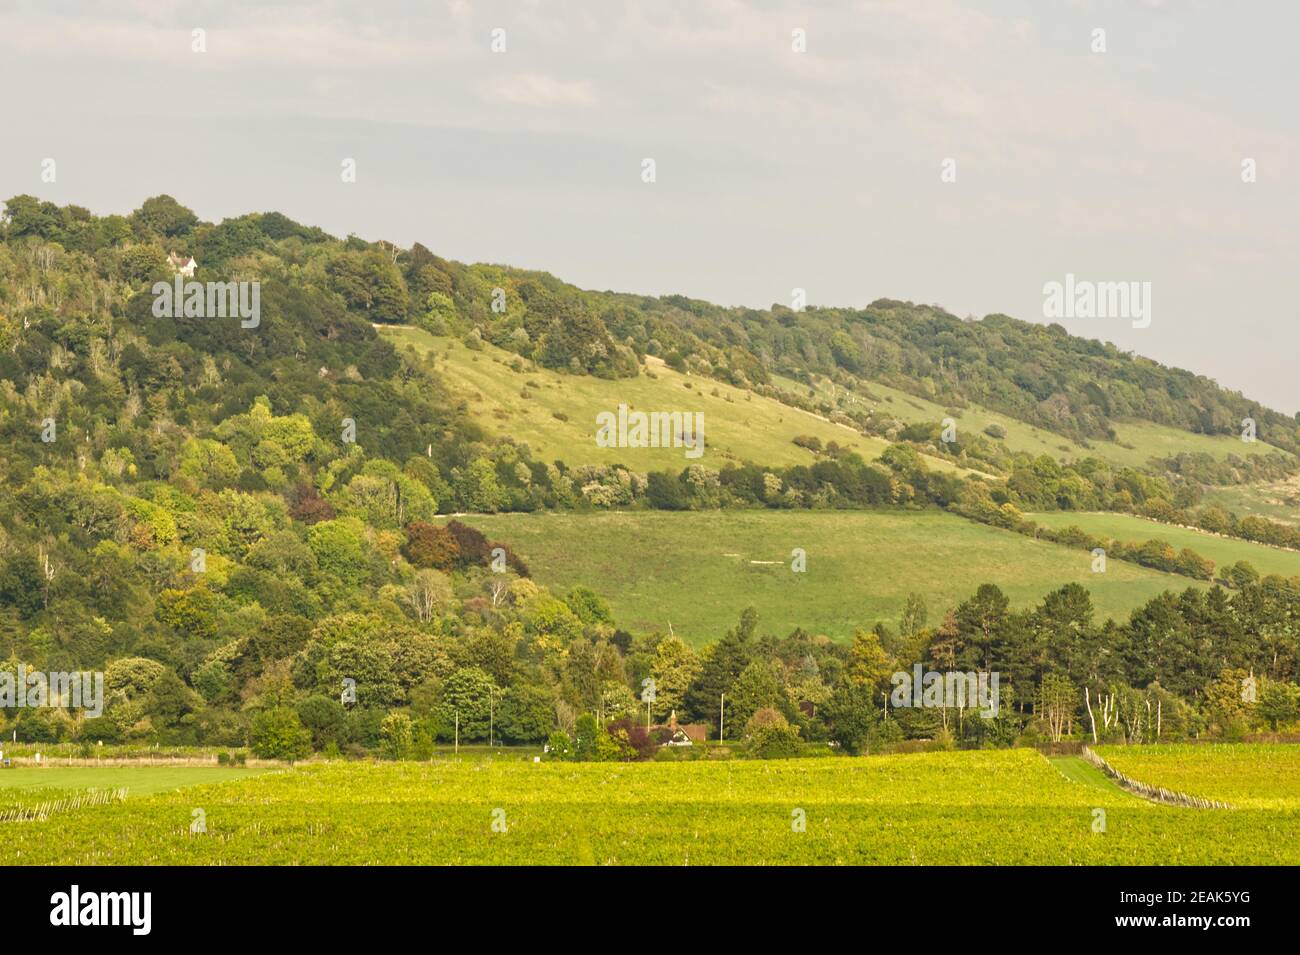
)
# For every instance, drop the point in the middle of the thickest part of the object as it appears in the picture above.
(722, 718)
(492, 714)
(458, 732)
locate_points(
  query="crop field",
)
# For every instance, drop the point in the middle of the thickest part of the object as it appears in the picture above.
(1254, 776)
(980, 807)
(738, 426)
(1224, 551)
(700, 569)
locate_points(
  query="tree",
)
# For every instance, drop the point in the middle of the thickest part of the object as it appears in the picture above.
(1278, 703)
(673, 668)
(325, 719)
(397, 734)
(980, 621)
(470, 693)
(165, 216)
(771, 736)
(760, 686)
(527, 713)
(427, 591)
(852, 713)
(913, 617)
(589, 607)
(277, 733)
(428, 545)
(720, 668)
(1058, 700)
(869, 665)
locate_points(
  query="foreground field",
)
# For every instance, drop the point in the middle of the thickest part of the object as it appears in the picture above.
(1006, 807)
(700, 569)
(1224, 551)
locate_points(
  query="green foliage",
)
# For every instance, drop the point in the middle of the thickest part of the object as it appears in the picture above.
(278, 734)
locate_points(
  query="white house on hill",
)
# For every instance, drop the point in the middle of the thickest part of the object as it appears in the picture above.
(184, 264)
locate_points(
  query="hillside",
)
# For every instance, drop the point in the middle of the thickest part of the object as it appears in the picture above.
(1137, 444)
(235, 520)
(554, 413)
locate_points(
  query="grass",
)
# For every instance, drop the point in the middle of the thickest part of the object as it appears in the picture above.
(1138, 441)
(964, 808)
(1079, 770)
(1275, 500)
(140, 780)
(1224, 551)
(738, 426)
(698, 570)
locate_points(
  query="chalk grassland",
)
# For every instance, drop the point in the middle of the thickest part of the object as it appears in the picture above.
(1275, 500)
(697, 569)
(1259, 776)
(1224, 551)
(738, 426)
(965, 808)
(1138, 441)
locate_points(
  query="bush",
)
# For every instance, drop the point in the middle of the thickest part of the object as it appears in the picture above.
(277, 733)
(559, 745)
(398, 734)
(771, 736)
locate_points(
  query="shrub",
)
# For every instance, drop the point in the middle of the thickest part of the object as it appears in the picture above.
(277, 733)
(771, 736)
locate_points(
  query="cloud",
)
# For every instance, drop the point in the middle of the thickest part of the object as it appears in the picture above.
(539, 90)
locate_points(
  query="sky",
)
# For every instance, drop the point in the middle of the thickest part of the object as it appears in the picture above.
(952, 153)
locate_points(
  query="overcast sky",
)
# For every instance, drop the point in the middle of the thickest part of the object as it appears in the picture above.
(775, 169)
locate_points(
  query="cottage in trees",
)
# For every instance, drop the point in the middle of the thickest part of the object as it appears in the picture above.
(182, 264)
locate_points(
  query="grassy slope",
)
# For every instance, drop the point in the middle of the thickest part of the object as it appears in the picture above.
(1222, 550)
(1003, 807)
(1277, 500)
(694, 569)
(1139, 441)
(738, 426)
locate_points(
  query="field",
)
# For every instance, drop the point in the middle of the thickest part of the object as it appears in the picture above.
(18, 784)
(698, 569)
(966, 808)
(1224, 551)
(738, 426)
(1257, 776)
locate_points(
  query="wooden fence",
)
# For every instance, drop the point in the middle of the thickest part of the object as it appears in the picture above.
(1154, 793)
